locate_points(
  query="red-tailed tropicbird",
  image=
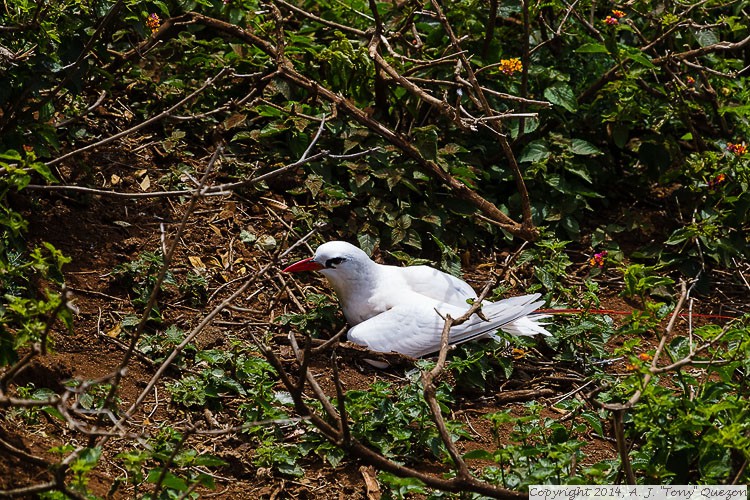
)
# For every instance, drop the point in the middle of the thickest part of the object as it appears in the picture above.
(394, 309)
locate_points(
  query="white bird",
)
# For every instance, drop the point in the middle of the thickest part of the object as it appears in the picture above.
(395, 309)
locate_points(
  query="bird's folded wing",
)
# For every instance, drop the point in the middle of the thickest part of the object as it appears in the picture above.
(413, 326)
(438, 285)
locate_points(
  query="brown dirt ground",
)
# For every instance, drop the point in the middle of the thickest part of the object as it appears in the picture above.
(101, 233)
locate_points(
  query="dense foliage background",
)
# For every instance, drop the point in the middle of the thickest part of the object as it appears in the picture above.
(597, 153)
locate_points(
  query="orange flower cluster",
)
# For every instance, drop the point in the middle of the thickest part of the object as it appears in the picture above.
(598, 259)
(510, 66)
(519, 353)
(153, 22)
(719, 179)
(738, 149)
(644, 357)
(614, 18)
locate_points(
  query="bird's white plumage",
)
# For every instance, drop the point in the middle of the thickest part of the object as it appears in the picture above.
(414, 328)
(436, 284)
(395, 308)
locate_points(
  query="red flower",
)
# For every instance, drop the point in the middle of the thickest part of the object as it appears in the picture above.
(738, 149)
(719, 179)
(598, 259)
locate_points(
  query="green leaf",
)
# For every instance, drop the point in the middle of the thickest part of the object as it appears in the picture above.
(594, 421)
(90, 456)
(291, 469)
(244, 135)
(592, 48)
(680, 347)
(12, 155)
(571, 225)
(546, 279)
(50, 136)
(529, 125)
(641, 59)
(506, 365)
(679, 236)
(620, 134)
(479, 455)
(334, 456)
(560, 94)
(53, 412)
(170, 480)
(426, 141)
(534, 151)
(209, 461)
(367, 242)
(706, 37)
(403, 484)
(581, 172)
(584, 148)
(736, 110)
(44, 171)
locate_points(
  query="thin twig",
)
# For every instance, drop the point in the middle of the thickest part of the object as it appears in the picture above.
(216, 190)
(527, 221)
(167, 260)
(428, 382)
(141, 125)
(622, 448)
(26, 457)
(662, 343)
(189, 338)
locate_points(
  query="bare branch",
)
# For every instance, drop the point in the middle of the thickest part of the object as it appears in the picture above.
(708, 49)
(14, 370)
(324, 22)
(26, 457)
(622, 446)
(141, 125)
(430, 389)
(28, 491)
(528, 224)
(287, 71)
(216, 190)
(662, 343)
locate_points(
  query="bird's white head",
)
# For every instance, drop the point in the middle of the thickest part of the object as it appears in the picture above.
(335, 258)
(351, 273)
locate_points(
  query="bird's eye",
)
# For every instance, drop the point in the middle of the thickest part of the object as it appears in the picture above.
(332, 263)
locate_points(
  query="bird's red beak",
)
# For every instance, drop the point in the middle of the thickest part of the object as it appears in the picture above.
(304, 265)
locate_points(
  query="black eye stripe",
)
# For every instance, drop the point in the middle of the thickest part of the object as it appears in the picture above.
(331, 263)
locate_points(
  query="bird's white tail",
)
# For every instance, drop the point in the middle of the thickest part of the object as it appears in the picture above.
(527, 326)
(513, 315)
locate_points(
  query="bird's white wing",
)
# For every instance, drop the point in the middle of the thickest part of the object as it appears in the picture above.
(413, 327)
(437, 285)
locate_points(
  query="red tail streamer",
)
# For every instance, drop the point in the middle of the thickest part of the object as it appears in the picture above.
(625, 313)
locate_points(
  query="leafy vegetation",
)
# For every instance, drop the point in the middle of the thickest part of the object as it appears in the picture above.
(612, 138)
